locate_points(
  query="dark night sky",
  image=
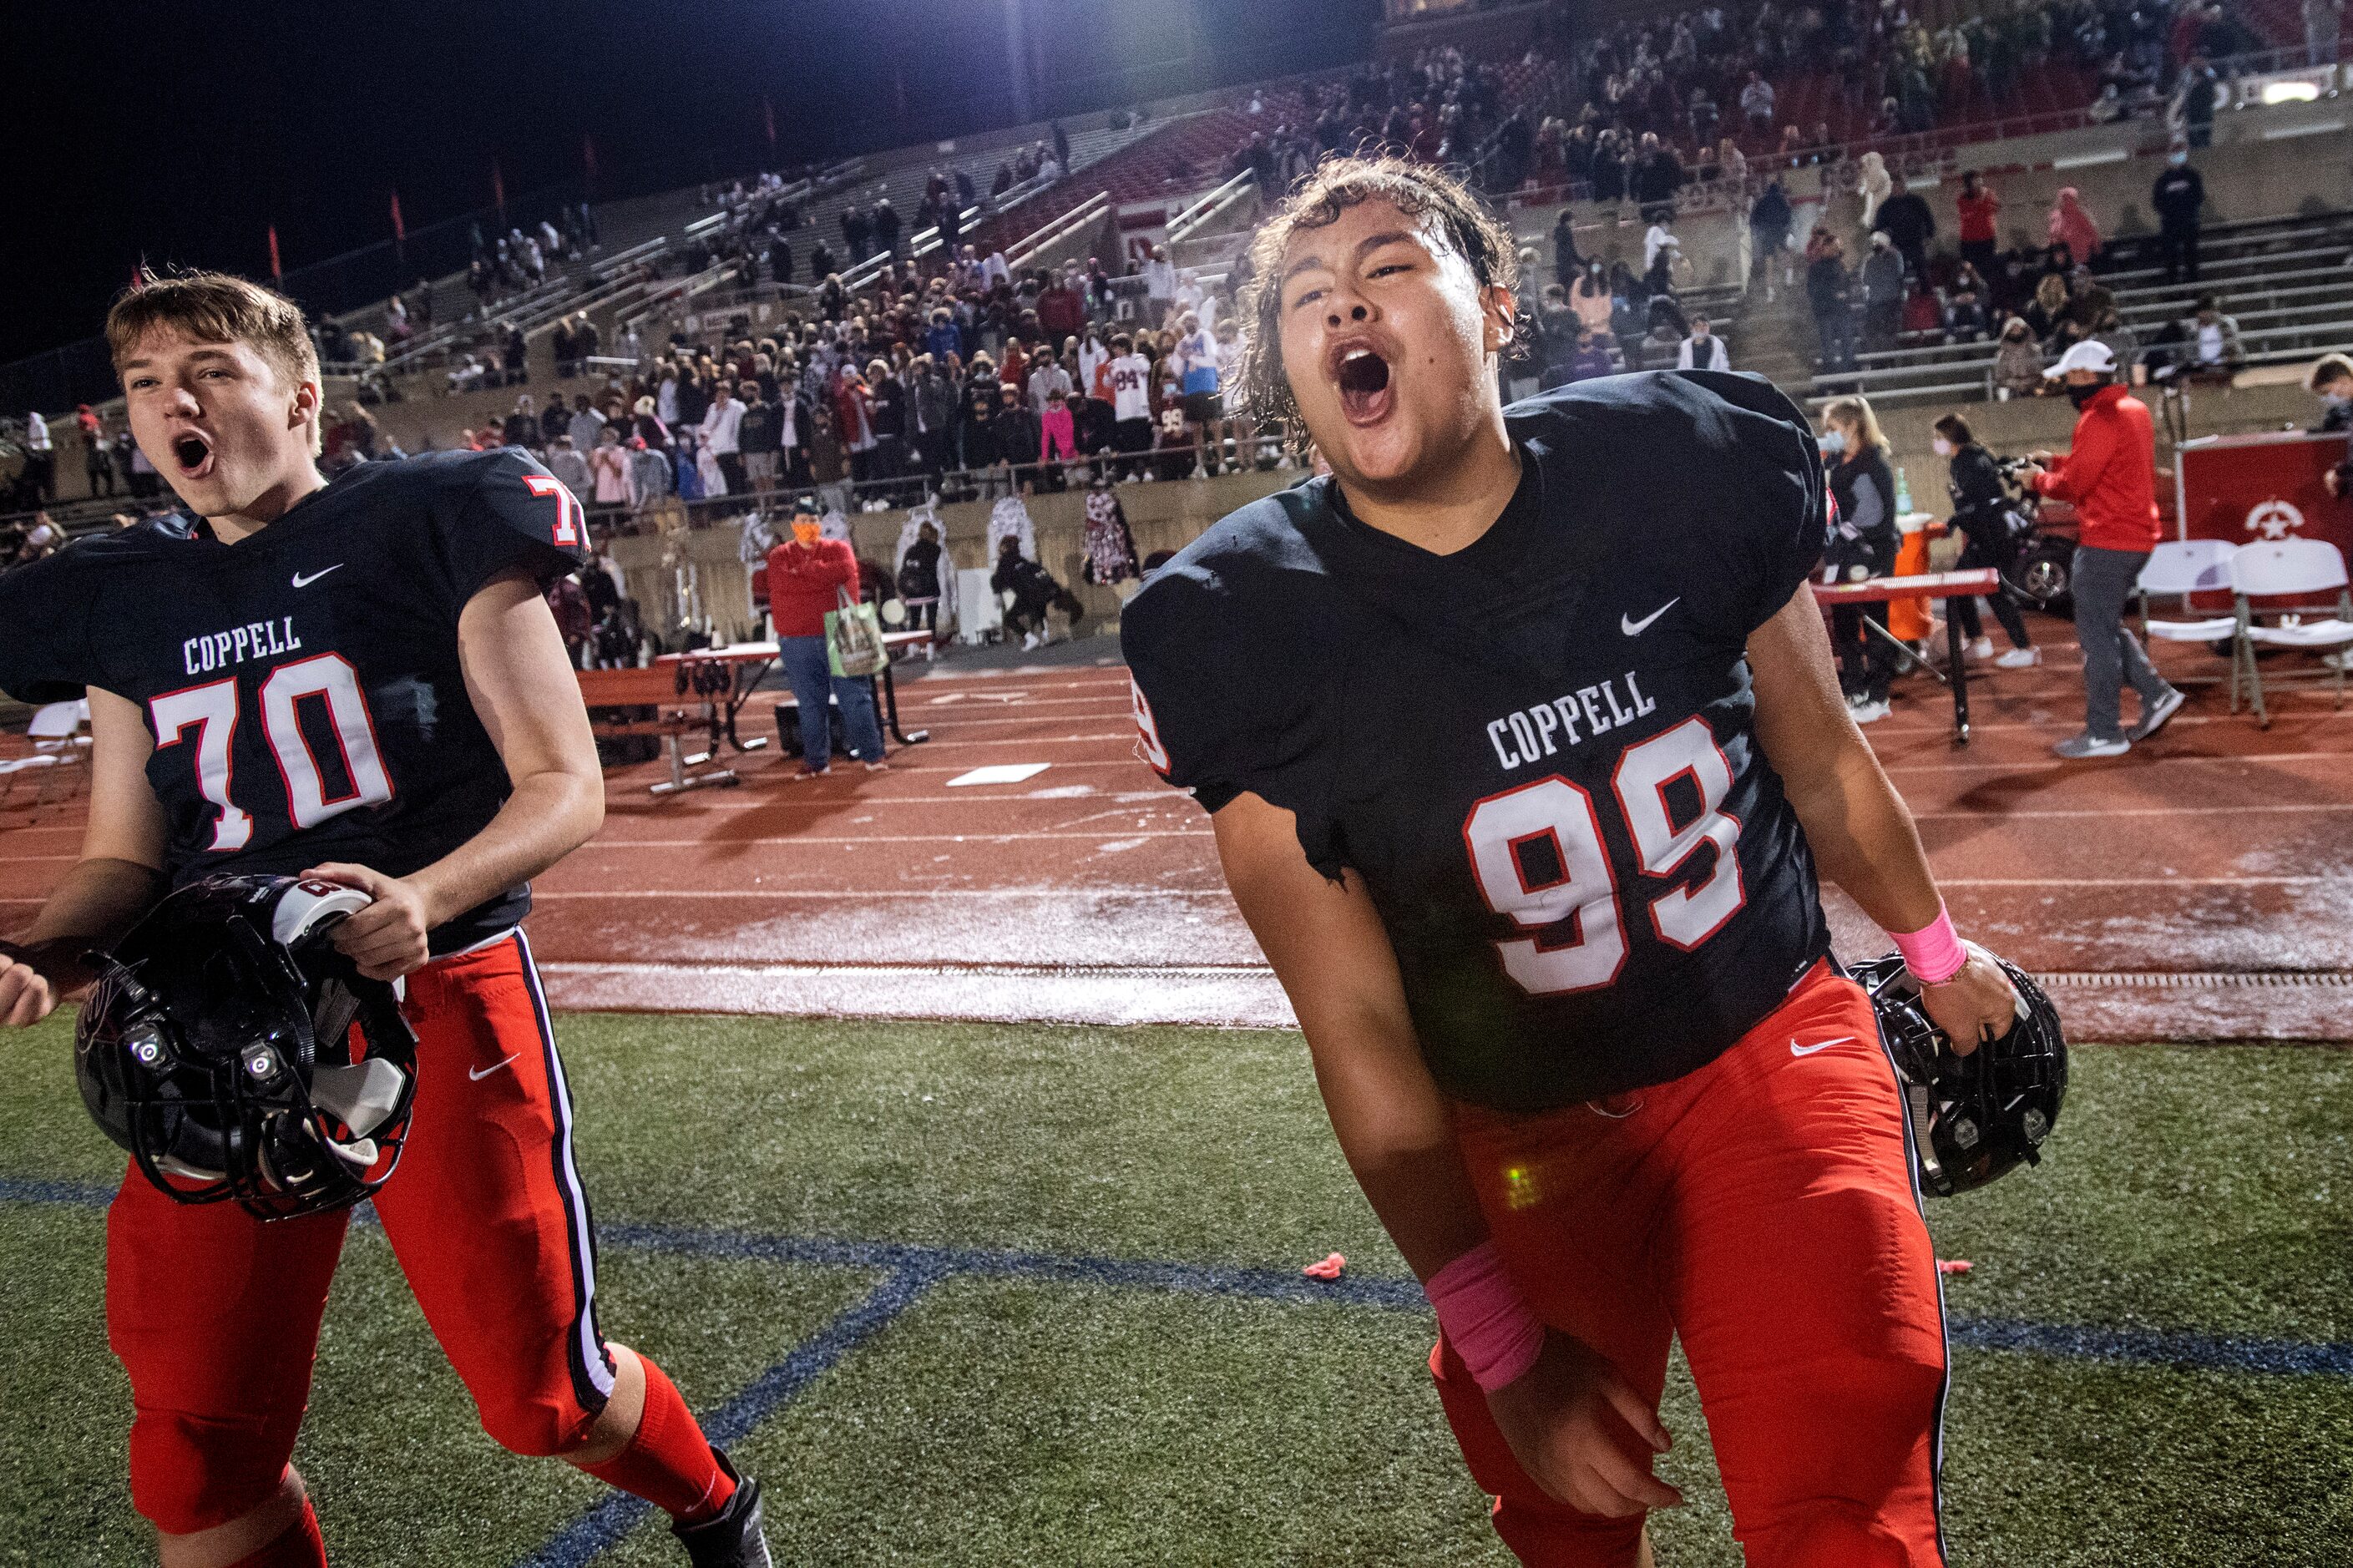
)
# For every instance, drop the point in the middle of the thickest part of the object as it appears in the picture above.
(181, 132)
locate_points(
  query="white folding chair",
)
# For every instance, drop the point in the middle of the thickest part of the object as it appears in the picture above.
(2288, 568)
(56, 733)
(2185, 566)
(38, 767)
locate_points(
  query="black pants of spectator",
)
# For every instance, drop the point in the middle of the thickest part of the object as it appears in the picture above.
(1979, 254)
(1989, 545)
(888, 462)
(1866, 660)
(1882, 320)
(731, 464)
(1090, 425)
(100, 474)
(1131, 436)
(1836, 328)
(2178, 248)
(1174, 462)
(41, 473)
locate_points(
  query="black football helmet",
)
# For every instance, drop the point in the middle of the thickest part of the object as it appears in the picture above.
(219, 1048)
(1973, 1116)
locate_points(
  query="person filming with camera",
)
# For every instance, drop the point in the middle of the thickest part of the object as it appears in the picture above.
(2109, 475)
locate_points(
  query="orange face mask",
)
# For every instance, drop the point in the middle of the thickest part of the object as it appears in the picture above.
(806, 533)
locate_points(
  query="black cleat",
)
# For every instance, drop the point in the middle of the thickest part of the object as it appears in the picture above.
(732, 1538)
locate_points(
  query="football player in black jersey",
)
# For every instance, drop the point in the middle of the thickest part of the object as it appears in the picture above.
(358, 681)
(1523, 745)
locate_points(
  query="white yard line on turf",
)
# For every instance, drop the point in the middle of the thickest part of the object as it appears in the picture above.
(999, 774)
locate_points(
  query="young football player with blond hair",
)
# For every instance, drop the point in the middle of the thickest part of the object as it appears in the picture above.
(357, 681)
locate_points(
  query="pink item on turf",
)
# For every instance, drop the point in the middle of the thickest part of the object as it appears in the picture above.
(1933, 953)
(1484, 1317)
(1328, 1269)
(1953, 1265)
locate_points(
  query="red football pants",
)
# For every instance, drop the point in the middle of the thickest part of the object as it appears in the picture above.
(1762, 1208)
(215, 1314)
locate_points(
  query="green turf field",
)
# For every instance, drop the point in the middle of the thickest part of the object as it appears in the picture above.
(1010, 1406)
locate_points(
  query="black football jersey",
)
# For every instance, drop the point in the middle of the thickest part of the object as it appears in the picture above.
(1539, 752)
(304, 686)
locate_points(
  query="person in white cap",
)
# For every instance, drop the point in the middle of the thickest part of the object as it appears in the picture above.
(2109, 474)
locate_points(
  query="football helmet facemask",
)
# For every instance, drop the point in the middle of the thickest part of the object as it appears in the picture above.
(1978, 1116)
(236, 1055)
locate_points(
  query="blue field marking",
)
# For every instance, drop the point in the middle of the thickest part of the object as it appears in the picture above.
(1132, 1273)
(2186, 1349)
(2155, 1347)
(597, 1530)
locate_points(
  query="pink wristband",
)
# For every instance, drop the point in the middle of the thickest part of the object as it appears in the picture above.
(1933, 953)
(1485, 1318)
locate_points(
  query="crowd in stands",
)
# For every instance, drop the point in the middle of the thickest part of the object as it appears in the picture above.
(1653, 102)
(2033, 303)
(1004, 382)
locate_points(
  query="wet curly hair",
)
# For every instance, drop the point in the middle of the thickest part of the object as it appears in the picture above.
(1483, 241)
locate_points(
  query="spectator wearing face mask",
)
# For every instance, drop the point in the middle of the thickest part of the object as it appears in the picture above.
(1977, 205)
(1905, 219)
(1129, 377)
(1883, 293)
(2179, 196)
(806, 576)
(2109, 475)
(1982, 515)
(1592, 356)
(1057, 441)
(721, 426)
(1702, 350)
(2071, 226)
(608, 467)
(1197, 366)
(569, 464)
(1830, 294)
(1021, 435)
(2017, 361)
(1046, 378)
(2212, 339)
(1863, 544)
(2332, 382)
(1033, 593)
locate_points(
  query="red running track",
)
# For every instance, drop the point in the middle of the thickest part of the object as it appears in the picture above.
(2197, 888)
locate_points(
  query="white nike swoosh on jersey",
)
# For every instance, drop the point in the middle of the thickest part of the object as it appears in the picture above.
(302, 580)
(478, 1077)
(1634, 628)
(1798, 1050)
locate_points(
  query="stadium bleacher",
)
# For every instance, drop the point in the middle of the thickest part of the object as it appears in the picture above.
(2284, 281)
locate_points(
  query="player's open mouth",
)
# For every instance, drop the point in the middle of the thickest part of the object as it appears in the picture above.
(1364, 379)
(195, 456)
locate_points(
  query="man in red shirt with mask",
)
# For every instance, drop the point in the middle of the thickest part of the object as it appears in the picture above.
(2110, 475)
(806, 577)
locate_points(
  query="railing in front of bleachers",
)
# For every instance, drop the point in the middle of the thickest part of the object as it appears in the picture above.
(1263, 451)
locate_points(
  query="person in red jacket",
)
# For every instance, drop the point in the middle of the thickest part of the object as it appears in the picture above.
(2109, 474)
(1977, 203)
(806, 575)
(1061, 311)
